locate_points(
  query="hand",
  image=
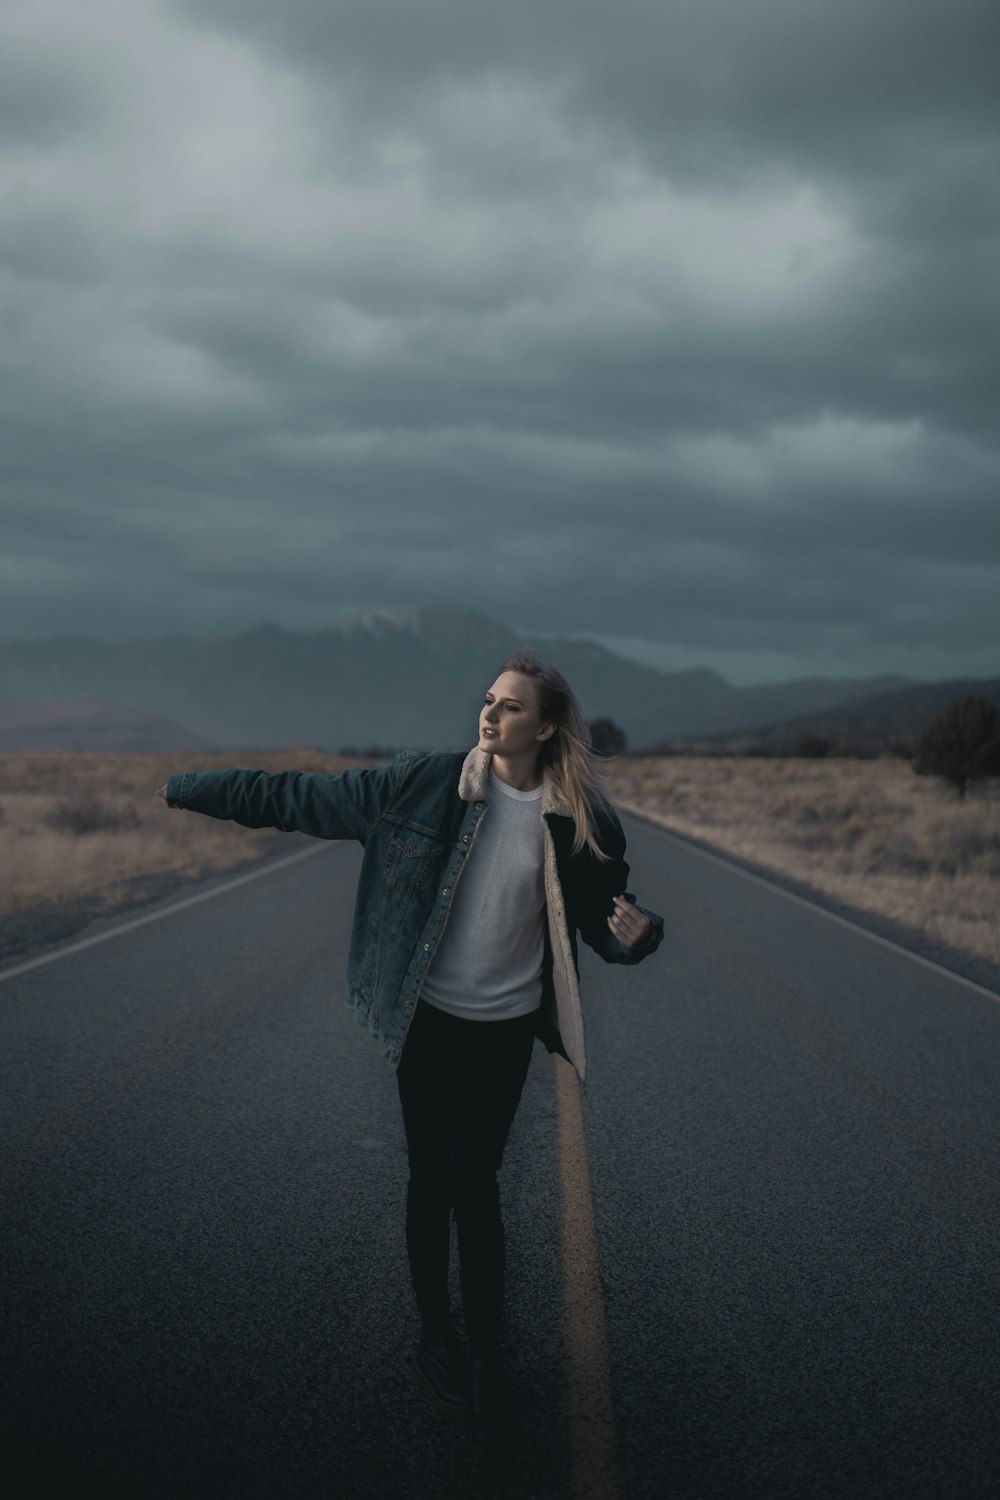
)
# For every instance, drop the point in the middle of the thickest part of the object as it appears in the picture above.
(628, 925)
(161, 791)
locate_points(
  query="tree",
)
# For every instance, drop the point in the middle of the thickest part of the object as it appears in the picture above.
(960, 744)
(813, 746)
(606, 737)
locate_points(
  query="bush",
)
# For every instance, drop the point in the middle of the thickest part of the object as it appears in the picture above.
(83, 812)
(813, 746)
(606, 737)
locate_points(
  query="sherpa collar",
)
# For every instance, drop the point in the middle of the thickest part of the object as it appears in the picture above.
(474, 782)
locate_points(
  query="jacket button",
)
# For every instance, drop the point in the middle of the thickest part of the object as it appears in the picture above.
(445, 891)
(427, 947)
(465, 838)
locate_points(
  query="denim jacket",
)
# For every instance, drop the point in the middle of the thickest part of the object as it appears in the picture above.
(417, 819)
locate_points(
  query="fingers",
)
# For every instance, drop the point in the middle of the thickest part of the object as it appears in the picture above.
(627, 924)
(622, 920)
(624, 911)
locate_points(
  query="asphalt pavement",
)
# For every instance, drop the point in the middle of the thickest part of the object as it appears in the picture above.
(791, 1134)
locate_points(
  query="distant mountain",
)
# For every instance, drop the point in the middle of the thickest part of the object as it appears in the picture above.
(392, 678)
(88, 724)
(894, 718)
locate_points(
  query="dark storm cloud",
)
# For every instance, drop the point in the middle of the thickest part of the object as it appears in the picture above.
(43, 100)
(699, 87)
(890, 107)
(44, 241)
(662, 320)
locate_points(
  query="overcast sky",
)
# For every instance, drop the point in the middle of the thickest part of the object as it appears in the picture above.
(672, 322)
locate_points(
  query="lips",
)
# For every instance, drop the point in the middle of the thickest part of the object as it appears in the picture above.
(491, 734)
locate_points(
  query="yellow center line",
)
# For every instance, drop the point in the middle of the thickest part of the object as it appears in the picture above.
(595, 1472)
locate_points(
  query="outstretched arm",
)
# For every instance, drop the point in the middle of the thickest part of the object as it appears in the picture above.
(346, 806)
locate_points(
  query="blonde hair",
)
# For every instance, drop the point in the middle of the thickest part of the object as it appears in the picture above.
(568, 753)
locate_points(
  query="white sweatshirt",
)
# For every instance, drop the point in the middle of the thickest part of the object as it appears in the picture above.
(488, 964)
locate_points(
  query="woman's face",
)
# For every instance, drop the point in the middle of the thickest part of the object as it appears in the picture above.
(510, 707)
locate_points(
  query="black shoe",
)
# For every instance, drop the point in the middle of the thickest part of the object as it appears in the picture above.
(439, 1366)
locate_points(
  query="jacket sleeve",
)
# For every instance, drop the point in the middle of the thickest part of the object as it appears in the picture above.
(346, 806)
(594, 903)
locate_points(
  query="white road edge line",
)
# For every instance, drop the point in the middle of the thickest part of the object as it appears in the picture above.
(729, 864)
(168, 911)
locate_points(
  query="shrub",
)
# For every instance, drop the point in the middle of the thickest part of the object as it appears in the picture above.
(82, 812)
(812, 746)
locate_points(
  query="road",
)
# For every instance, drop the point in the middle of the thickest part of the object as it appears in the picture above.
(791, 1153)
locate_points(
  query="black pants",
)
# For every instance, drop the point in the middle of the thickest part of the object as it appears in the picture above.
(460, 1083)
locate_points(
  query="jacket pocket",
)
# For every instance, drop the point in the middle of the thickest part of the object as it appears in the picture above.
(416, 860)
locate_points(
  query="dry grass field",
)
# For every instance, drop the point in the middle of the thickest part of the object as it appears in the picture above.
(868, 832)
(83, 833)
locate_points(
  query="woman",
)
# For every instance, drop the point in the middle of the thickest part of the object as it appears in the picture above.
(458, 962)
